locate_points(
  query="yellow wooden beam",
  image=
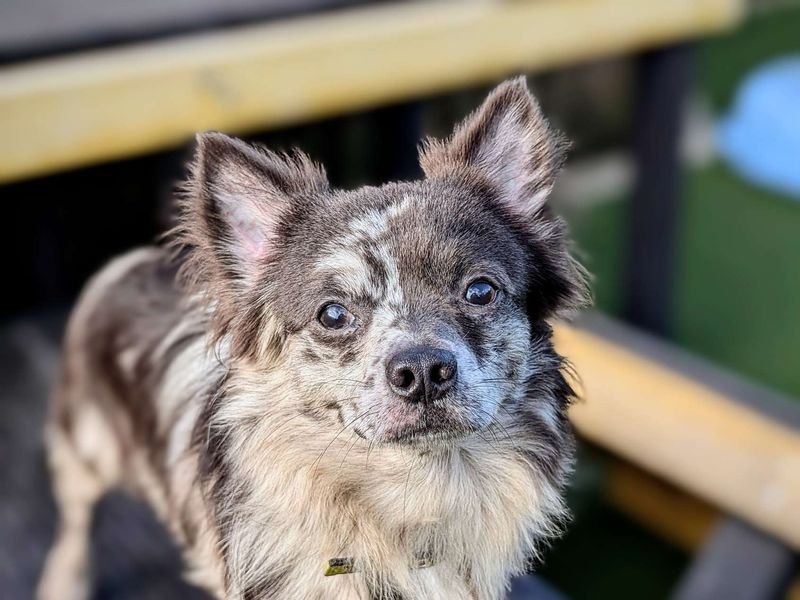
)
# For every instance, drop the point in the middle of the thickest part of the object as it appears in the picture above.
(78, 110)
(686, 432)
(669, 512)
(794, 590)
(661, 507)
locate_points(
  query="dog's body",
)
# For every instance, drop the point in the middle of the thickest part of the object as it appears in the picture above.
(365, 375)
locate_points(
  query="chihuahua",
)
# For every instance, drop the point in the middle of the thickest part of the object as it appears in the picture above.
(333, 394)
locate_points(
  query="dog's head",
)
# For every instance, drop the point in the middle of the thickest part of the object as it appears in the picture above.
(412, 312)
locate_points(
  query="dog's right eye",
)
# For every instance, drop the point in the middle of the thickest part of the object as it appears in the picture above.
(335, 316)
(480, 292)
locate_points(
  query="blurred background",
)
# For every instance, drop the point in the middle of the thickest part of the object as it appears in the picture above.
(682, 192)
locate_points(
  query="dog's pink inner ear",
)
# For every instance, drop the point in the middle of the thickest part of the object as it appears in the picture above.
(241, 205)
(506, 141)
(252, 227)
(241, 193)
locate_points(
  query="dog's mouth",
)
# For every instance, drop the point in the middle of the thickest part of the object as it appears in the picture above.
(444, 421)
(429, 435)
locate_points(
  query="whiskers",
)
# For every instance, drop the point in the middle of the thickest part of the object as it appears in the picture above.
(352, 422)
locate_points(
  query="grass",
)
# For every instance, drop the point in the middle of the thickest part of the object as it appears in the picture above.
(723, 61)
(737, 289)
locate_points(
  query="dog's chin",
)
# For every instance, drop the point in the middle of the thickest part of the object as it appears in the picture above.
(427, 437)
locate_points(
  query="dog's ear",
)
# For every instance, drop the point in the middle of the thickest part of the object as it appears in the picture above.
(232, 209)
(233, 203)
(506, 142)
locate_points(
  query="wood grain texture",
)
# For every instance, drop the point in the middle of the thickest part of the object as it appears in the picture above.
(72, 111)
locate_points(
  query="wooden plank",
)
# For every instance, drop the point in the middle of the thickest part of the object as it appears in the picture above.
(71, 111)
(683, 520)
(691, 429)
(794, 590)
(47, 27)
(661, 507)
(739, 563)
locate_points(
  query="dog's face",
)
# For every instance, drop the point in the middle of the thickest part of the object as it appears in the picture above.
(412, 313)
(409, 319)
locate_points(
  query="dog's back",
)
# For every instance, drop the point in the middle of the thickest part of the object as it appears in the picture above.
(109, 425)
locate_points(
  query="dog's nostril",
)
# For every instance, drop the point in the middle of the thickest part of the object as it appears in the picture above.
(405, 378)
(442, 373)
(402, 378)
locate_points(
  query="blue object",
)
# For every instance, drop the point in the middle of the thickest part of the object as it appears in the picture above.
(760, 137)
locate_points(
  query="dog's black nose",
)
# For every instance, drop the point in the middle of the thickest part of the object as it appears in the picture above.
(422, 373)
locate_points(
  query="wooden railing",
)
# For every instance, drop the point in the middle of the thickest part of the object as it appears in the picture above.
(77, 110)
(730, 443)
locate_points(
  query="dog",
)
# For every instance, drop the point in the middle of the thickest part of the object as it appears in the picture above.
(306, 382)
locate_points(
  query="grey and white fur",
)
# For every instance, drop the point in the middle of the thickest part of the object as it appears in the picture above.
(306, 373)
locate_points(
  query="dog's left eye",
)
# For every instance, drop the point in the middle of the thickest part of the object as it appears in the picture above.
(335, 316)
(480, 292)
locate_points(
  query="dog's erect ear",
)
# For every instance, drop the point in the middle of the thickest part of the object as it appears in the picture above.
(508, 143)
(234, 200)
(231, 212)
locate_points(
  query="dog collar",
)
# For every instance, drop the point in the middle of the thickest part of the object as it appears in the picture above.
(346, 565)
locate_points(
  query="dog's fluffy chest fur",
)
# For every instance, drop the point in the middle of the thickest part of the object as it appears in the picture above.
(322, 375)
(469, 511)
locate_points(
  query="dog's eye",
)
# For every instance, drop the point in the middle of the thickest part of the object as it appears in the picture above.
(480, 292)
(335, 316)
